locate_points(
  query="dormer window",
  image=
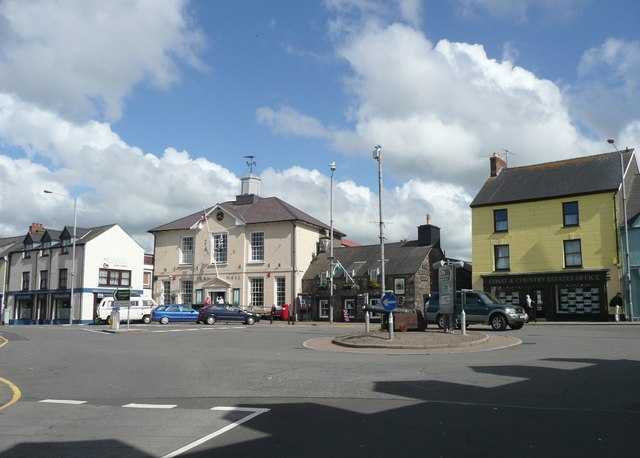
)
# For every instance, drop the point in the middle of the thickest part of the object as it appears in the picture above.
(65, 246)
(46, 248)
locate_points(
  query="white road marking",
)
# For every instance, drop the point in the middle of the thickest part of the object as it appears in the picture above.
(150, 406)
(63, 401)
(208, 437)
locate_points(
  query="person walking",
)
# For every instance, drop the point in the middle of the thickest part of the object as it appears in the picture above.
(531, 309)
(616, 303)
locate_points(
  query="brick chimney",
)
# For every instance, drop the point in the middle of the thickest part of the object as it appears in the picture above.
(36, 227)
(497, 164)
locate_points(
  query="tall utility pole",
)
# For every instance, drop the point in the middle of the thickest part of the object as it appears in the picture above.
(332, 167)
(626, 230)
(377, 150)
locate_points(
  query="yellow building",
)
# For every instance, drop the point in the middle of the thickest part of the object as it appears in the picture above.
(551, 231)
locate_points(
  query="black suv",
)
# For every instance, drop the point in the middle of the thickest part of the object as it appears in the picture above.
(479, 307)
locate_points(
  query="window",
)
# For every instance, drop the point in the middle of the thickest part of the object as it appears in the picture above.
(146, 279)
(350, 307)
(166, 292)
(324, 278)
(220, 248)
(501, 253)
(46, 249)
(375, 302)
(66, 243)
(570, 213)
(572, 253)
(500, 221)
(44, 279)
(26, 279)
(256, 292)
(186, 291)
(186, 250)
(109, 277)
(280, 290)
(27, 250)
(323, 310)
(62, 282)
(373, 274)
(257, 246)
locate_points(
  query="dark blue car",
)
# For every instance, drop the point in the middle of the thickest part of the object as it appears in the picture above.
(174, 312)
(226, 312)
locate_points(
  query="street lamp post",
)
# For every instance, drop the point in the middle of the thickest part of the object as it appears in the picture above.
(73, 250)
(626, 230)
(332, 167)
(378, 157)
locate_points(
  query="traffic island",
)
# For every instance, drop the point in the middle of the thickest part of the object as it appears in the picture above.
(411, 340)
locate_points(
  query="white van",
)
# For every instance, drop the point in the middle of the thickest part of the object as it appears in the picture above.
(140, 310)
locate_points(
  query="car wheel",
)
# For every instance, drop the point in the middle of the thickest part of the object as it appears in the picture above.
(440, 321)
(516, 326)
(109, 320)
(250, 320)
(164, 320)
(146, 319)
(498, 322)
(210, 319)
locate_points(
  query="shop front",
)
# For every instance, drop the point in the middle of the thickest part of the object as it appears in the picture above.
(40, 308)
(558, 296)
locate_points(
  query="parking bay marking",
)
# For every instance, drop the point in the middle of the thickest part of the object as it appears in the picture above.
(252, 412)
(150, 406)
(202, 440)
(63, 401)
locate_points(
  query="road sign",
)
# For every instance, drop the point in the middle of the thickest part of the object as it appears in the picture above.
(447, 280)
(389, 301)
(122, 295)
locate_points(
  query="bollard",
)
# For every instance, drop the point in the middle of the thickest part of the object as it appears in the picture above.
(115, 320)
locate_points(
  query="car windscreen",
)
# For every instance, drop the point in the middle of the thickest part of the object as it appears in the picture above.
(491, 298)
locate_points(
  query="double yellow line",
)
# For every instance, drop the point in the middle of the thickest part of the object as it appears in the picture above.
(14, 389)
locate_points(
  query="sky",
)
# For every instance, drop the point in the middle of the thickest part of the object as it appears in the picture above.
(143, 111)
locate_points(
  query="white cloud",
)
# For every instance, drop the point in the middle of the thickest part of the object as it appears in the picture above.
(113, 181)
(356, 211)
(91, 54)
(604, 96)
(521, 10)
(291, 122)
(439, 112)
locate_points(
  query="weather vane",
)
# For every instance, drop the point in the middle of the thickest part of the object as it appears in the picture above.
(251, 163)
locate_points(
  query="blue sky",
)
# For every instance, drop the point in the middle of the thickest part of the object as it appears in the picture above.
(144, 110)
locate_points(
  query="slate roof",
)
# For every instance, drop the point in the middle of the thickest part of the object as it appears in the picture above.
(8, 244)
(633, 201)
(571, 177)
(403, 258)
(83, 235)
(251, 211)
